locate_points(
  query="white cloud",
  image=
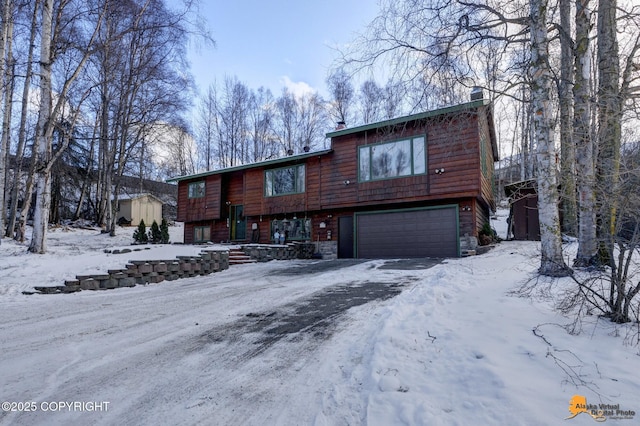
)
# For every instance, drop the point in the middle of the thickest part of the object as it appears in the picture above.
(299, 88)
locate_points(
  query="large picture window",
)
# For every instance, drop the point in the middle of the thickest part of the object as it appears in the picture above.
(293, 229)
(196, 189)
(392, 159)
(287, 180)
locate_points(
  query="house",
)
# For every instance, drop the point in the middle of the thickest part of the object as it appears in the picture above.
(134, 208)
(415, 186)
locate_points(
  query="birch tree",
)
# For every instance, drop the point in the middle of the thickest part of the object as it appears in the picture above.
(371, 101)
(206, 128)
(6, 34)
(43, 179)
(22, 135)
(342, 96)
(585, 173)
(567, 147)
(552, 262)
(48, 113)
(261, 122)
(609, 119)
(439, 47)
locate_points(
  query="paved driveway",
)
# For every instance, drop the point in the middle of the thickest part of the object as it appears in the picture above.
(221, 349)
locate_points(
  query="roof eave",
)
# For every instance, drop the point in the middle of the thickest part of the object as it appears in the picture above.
(401, 120)
(251, 165)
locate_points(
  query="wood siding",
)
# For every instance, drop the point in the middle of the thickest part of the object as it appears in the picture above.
(458, 142)
(203, 208)
(486, 168)
(452, 145)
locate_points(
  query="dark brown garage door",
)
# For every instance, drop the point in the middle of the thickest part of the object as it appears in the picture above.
(413, 233)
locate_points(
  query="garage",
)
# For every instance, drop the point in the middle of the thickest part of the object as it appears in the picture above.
(431, 232)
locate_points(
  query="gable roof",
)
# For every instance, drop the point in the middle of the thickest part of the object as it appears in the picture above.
(391, 122)
(433, 113)
(407, 118)
(266, 163)
(129, 197)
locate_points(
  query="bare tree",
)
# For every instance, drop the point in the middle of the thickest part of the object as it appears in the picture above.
(393, 94)
(609, 118)
(139, 67)
(53, 35)
(261, 121)
(342, 96)
(567, 147)
(552, 262)
(585, 173)
(371, 101)
(22, 134)
(286, 121)
(6, 73)
(311, 121)
(206, 125)
(437, 47)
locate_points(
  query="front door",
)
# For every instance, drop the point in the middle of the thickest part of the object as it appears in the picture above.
(345, 237)
(238, 223)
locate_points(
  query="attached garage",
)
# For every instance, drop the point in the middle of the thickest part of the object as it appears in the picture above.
(431, 232)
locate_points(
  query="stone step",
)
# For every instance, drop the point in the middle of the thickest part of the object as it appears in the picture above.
(238, 257)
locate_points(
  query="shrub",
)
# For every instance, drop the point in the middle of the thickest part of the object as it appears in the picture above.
(155, 236)
(487, 235)
(140, 234)
(164, 231)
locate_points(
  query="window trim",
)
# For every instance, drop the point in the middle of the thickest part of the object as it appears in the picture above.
(302, 223)
(295, 184)
(201, 228)
(193, 185)
(412, 157)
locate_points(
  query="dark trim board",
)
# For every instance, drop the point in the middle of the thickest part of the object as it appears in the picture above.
(404, 233)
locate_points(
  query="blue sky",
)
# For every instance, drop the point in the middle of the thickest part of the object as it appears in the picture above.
(278, 42)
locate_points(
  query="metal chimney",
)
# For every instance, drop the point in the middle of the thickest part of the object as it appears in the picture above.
(476, 93)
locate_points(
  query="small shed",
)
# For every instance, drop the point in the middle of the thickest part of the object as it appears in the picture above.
(133, 208)
(523, 222)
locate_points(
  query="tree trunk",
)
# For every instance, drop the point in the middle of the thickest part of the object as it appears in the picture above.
(587, 241)
(609, 124)
(552, 263)
(6, 30)
(22, 131)
(43, 137)
(567, 148)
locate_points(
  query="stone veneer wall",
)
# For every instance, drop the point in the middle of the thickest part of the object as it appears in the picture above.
(265, 253)
(146, 272)
(328, 249)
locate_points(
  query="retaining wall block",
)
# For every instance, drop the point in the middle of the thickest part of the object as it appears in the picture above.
(89, 284)
(155, 278)
(145, 268)
(127, 282)
(160, 267)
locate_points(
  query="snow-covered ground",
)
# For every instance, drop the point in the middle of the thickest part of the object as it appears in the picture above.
(456, 347)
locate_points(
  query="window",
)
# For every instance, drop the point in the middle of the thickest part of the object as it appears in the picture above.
(288, 180)
(392, 159)
(294, 229)
(201, 234)
(196, 189)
